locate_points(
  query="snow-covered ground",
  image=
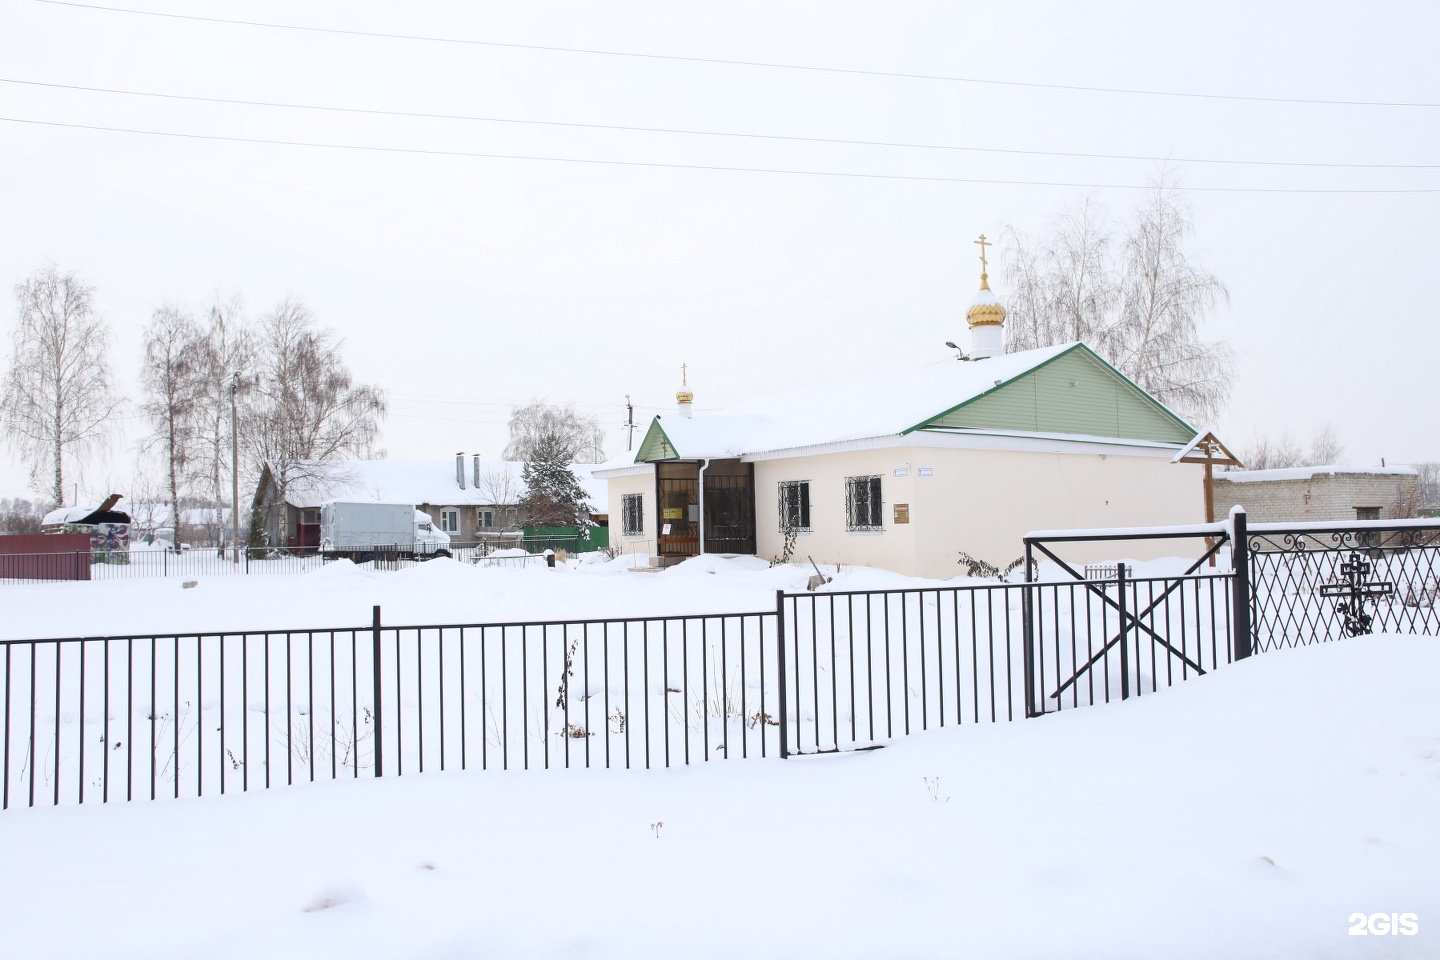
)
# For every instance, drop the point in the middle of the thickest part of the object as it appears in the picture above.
(1246, 814)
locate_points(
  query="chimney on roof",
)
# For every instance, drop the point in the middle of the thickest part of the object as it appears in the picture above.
(460, 469)
(476, 478)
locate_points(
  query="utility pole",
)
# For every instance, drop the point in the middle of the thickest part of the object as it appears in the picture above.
(234, 469)
(629, 423)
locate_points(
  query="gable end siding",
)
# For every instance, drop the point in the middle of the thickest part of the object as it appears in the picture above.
(656, 445)
(1074, 393)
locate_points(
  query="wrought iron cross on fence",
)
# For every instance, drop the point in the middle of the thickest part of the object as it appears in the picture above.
(1354, 592)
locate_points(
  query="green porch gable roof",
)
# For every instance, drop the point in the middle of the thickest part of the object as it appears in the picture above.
(1074, 392)
(656, 445)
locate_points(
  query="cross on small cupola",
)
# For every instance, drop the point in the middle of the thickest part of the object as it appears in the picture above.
(683, 397)
(986, 315)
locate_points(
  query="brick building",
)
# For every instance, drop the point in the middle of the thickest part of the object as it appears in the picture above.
(1315, 494)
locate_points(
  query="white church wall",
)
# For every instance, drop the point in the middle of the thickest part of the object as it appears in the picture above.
(982, 502)
(618, 487)
(828, 540)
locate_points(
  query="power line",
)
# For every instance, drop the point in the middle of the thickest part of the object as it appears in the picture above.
(850, 71)
(652, 164)
(833, 141)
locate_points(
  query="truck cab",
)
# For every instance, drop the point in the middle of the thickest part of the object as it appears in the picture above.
(428, 540)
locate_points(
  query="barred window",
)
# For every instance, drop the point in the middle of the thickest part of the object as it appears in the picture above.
(794, 505)
(862, 503)
(632, 514)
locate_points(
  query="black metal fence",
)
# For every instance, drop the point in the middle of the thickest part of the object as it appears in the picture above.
(1281, 585)
(864, 667)
(105, 718)
(108, 718)
(1313, 583)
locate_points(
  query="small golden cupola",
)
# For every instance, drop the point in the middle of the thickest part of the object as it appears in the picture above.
(683, 397)
(986, 315)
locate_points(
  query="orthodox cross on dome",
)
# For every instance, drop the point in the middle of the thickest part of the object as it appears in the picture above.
(683, 396)
(983, 243)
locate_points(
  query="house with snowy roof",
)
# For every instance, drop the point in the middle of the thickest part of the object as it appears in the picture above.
(470, 500)
(906, 471)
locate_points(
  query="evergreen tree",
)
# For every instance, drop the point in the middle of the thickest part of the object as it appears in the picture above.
(553, 495)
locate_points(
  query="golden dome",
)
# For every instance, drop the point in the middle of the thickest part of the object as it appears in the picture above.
(987, 309)
(684, 396)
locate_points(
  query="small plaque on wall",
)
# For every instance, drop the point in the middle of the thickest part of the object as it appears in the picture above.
(673, 513)
(902, 513)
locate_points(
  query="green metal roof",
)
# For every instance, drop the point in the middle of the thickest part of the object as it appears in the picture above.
(656, 445)
(1075, 392)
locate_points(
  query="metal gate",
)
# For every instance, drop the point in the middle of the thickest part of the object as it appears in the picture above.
(860, 668)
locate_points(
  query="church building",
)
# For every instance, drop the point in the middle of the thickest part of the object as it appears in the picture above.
(905, 472)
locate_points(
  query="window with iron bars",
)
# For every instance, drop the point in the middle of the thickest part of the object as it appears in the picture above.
(632, 514)
(862, 504)
(794, 505)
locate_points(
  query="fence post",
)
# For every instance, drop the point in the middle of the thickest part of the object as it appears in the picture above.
(1240, 585)
(375, 672)
(780, 672)
(1124, 641)
(1028, 631)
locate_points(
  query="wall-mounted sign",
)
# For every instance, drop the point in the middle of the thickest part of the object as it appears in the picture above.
(926, 471)
(902, 513)
(902, 471)
(673, 513)
(665, 530)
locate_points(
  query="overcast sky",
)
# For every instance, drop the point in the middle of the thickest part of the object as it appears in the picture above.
(464, 285)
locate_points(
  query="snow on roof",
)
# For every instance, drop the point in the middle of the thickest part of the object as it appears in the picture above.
(1308, 473)
(424, 481)
(411, 481)
(852, 409)
(69, 514)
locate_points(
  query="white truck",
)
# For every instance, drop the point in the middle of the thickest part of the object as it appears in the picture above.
(361, 530)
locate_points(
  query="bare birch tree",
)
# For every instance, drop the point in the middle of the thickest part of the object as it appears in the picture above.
(1269, 453)
(172, 378)
(1325, 447)
(1164, 297)
(229, 350)
(537, 420)
(58, 397)
(1138, 303)
(306, 407)
(1062, 288)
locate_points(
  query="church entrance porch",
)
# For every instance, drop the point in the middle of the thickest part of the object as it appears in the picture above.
(704, 507)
